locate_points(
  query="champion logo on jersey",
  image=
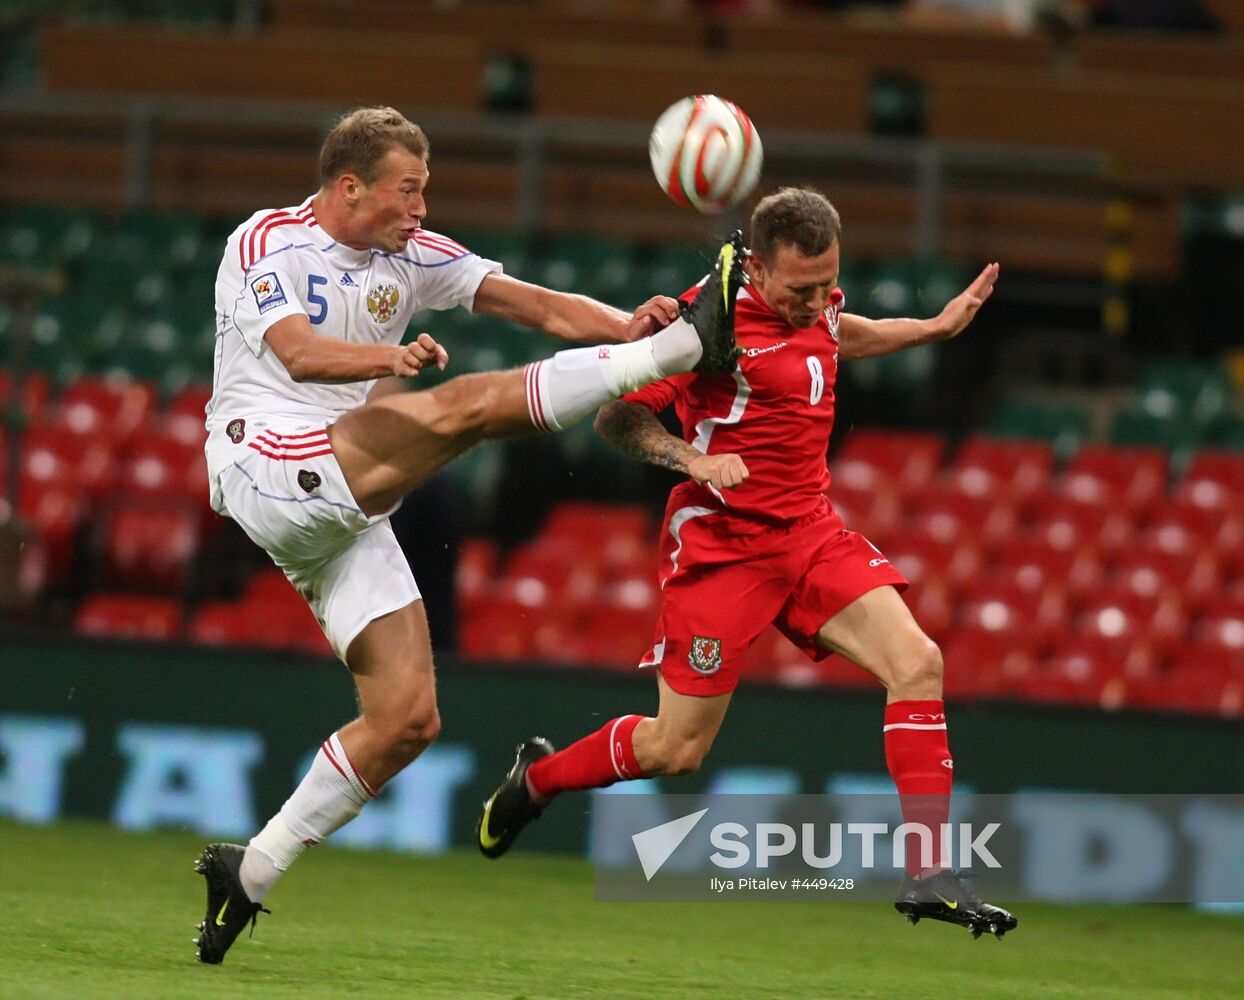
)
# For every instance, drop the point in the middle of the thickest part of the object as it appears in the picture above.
(348, 282)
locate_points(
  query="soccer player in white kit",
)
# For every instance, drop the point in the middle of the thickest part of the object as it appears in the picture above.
(310, 448)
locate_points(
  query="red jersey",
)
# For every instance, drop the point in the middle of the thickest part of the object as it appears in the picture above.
(776, 411)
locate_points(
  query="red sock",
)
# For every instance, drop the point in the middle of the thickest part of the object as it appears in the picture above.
(918, 756)
(595, 761)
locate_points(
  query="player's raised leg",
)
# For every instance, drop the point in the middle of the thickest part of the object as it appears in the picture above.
(676, 741)
(391, 661)
(878, 632)
(389, 447)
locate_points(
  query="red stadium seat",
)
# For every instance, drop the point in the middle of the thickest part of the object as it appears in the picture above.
(618, 637)
(1102, 475)
(149, 545)
(1182, 527)
(106, 410)
(498, 630)
(56, 457)
(265, 623)
(1150, 572)
(1212, 656)
(984, 664)
(873, 511)
(608, 534)
(1119, 613)
(217, 623)
(1101, 657)
(476, 572)
(1177, 692)
(1066, 523)
(921, 558)
(1035, 565)
(1001, 467)
(997, 602)
(56, 515)
(164, 466)
(1221, 623)
(1050, 688)
(191, 402)
(279, 616)
(128, 616)
(906, 461)
(1214, 479)
(552, 570)
(951, 516)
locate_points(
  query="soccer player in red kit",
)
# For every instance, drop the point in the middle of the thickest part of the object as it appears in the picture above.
(751, 539)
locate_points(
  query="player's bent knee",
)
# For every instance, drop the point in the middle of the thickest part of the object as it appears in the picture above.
(421, 730)
(919, 673)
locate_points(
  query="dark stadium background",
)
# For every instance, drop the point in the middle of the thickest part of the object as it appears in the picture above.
(1064, 483)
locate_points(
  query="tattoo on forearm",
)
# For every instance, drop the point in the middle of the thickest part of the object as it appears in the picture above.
(636, 432)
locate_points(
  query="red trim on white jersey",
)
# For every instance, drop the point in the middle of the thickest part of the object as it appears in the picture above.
(435, 241)
(253, 245)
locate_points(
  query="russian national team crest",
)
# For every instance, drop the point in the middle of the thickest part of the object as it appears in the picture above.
(382, 302)
(705, 655)
(235, 430)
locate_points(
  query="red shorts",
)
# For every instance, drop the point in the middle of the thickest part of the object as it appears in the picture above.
(726, 578)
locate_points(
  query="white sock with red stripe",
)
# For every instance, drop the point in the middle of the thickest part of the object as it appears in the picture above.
(330, 795)
(573, 384)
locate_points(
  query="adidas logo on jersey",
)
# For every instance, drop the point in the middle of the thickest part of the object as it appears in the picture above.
(348, 282)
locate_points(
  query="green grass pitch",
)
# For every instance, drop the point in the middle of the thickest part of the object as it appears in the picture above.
(87, 911)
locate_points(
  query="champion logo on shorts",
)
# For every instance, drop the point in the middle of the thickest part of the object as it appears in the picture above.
(705, 655)
(308, 480)
(235, 430)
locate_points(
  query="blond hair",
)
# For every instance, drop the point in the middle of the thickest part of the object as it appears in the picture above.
(362, 138)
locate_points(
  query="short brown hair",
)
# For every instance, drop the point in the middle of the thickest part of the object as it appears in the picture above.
(798, 217)
(360, 140)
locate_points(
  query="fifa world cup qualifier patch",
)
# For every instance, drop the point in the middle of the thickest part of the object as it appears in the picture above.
(705, 655)
(268, 292)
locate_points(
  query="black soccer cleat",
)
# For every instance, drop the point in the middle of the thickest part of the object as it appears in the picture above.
(945, 896)
(229, 909)
(510, 807)
(712, 311)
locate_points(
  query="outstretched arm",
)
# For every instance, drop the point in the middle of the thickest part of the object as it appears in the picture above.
(311, 358)
(859, 337)
(572, 317)
(635, 431)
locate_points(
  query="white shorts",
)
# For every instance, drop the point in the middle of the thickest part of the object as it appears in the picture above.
(281, 482)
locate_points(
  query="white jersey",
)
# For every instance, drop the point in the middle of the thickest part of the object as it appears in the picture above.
(279, 263)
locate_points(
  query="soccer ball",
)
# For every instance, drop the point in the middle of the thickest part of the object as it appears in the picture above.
(706, 153)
